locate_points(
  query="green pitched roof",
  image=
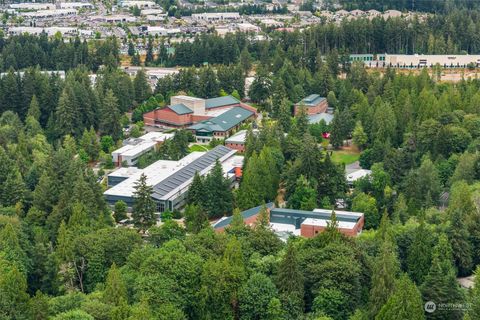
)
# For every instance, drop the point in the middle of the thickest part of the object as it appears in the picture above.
(220, 101)
(180, 108)
(225, 121)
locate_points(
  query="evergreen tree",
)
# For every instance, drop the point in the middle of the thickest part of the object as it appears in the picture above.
(115, 292)
(419, 256)
(66, 116)
(285, 115)
(34, 109)
(196, 191)
(141, 87)
(405, 302)
(195, 218)
(440, 284)
(359, 136)
(149, 55)
(474, 311)
(384, 273)
(13, 291)
(290, 283)
(120, 211)
(144, 207)
(110, 116)
(304, 197)
(218, 198)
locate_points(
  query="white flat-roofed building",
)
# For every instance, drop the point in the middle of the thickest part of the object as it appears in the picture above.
(50, 31)
(216, 16)
(354, 176)
(116, 18)
(32, 6)
(428, 60)
(139, 4)
(136, 147)
(50, 13)
(171, 179)
(76, 5)
(151, 12)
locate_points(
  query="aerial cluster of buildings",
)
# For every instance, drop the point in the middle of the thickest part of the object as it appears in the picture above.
(207, 119)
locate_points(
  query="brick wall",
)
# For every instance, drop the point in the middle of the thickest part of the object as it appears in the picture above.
(167, 117)
(319, 108)
(240, 147)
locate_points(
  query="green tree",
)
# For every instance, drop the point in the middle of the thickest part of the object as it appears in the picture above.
(34, 109)
(304, 197)
(368, 205)
(144, 207)
(255, 297)
(141, 87)
(359, 136)
(405, 302)
(218, 198)
(474, 311)
(115, 292)
(440, 284)
(13, 291)
(110, 116)
(384, 272)
(120, 211)
(195, 218)
(290, 283)
(419, 255)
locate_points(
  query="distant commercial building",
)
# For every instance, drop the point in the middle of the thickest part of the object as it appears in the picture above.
(171, 179)
(32, 6)
(139, 4)
(314, 104)
(216, 16)
(76, 5)
(53, 13)
(421, 60)
(185, 111)
(136, 147)
(285, 222)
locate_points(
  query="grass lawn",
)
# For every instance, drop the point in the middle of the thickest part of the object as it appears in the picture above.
(345, 156)
(198, 147)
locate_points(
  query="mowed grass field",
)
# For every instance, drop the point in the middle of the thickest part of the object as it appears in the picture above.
(198, 147)
(346, 156)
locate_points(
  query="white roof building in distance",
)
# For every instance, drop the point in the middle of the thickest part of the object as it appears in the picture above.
(32, 6)
(134, 148)
(50, 13)
(75, 5)
(139, 4)
(353, 176)
(212, 16)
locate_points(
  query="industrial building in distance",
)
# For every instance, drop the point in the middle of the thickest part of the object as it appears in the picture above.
(171, 179)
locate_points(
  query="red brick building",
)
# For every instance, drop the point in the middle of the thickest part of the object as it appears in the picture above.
(313, 104)
(301, 223)
(185, 111)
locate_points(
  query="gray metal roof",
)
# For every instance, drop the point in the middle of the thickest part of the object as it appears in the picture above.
(245, 214)
(180, 108)
(184, 174)
(220, 102)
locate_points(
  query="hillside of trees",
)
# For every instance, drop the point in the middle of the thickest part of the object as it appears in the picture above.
(63, 254)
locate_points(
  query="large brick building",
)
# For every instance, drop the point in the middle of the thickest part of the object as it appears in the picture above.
(313, 104)
(185, 111)
(285, 222)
